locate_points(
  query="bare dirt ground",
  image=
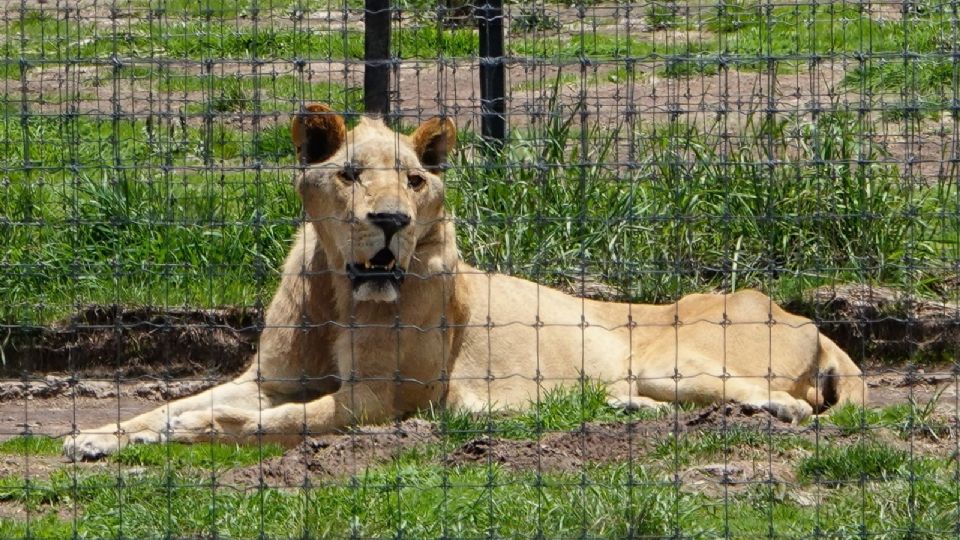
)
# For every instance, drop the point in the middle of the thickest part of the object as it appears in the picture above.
(333, 458)
(53, 410)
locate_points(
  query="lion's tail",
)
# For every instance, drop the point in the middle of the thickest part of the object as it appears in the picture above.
(839, 380)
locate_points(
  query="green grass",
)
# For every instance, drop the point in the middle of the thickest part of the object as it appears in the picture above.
(687, 448)
(560, 409)
(911, 56)
(232, 9)
(686, 217)
(175, 490)
(906, 419)
(246, 92)
(208, 456)
(413, 496)
(138, 212)
(407, 499)
(31, 446)
(48, 37)
(861, 461)
(148, 224)
(594, 45)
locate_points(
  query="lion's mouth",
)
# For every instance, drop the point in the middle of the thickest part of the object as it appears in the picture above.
(380, 269)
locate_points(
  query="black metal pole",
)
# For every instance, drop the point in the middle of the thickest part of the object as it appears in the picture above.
(376, 56)
(493, 105)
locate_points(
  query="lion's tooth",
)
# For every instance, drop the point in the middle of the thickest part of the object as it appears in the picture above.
(366, 264)
(390, 265)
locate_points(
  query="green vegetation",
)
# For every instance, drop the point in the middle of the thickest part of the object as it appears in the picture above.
(48, 37)
(910, 57)
(831, 210)
(207, 456)
(686, 449)
(278, 94)
(31, 446)
(172, 490)
(174, 213)
(559, 409)
(857, 462)
(135, 212)
(906, 419)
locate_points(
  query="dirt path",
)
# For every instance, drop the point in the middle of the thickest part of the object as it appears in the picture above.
(49, 408)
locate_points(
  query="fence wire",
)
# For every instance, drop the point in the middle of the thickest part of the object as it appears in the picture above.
(158, 158)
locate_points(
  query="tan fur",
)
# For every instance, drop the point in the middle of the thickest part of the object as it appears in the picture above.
(331, 356)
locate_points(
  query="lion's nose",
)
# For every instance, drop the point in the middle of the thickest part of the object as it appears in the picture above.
(390, 222)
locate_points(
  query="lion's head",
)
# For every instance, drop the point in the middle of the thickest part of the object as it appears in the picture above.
(372, 194)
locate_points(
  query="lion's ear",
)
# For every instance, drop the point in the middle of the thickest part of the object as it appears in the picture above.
(317, 133)
(433, 140)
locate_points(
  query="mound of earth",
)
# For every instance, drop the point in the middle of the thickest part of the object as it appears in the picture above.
(882, 324)
(115, 342)
(331, 457)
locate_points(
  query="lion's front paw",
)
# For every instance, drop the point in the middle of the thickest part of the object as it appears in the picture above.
(87, 446)
(96, 444)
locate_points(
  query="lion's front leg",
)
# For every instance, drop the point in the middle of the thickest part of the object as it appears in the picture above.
(154, 426)
(290, 422)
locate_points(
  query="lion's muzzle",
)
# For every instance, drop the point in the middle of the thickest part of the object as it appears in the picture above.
(376, 279)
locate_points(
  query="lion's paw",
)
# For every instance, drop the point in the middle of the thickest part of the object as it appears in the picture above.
(792, 411)
(88, 446)
(96, 444)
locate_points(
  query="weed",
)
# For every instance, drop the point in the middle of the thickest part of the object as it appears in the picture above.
(31, 445)
(216, 456)
(661, 15)
(858, 462)
(231, 98)
(690, 65)
(683, 449)
(562, 408)
(534, 18)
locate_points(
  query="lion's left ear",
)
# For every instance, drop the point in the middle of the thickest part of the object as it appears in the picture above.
(433, 141)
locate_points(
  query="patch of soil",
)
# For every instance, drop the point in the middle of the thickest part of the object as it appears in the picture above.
(333, 456)
(877, 323)
(737, 475)
(56, 416)
(113, 342)
(611, 442)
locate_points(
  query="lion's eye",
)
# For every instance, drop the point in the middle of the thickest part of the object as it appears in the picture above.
(350, 172)
(416, 181)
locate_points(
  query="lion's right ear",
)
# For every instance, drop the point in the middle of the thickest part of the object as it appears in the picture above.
(317, 133)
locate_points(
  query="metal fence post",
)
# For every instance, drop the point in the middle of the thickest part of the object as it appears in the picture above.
(492, 67)
(376, 56)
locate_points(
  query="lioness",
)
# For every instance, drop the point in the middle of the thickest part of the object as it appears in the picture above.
(377, 317)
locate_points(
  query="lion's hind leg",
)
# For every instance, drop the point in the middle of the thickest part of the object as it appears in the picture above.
(705, 389)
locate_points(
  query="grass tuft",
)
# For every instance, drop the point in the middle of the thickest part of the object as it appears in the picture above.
(562, 408)
(862, 461)
(204, 455)
(31, 445)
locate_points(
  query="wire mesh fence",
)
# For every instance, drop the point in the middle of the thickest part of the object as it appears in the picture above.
(639, 169)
